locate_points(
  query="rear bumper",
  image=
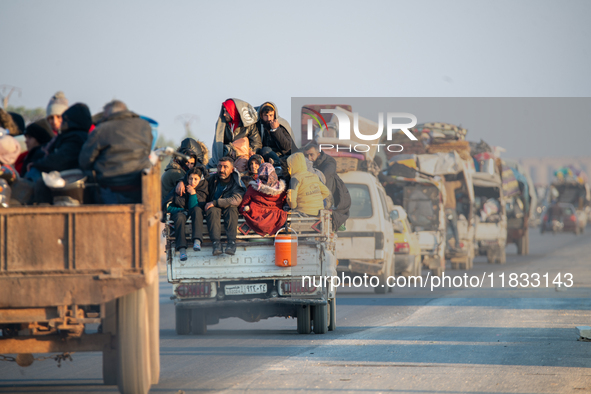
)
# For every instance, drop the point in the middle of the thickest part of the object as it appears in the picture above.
(215, 304)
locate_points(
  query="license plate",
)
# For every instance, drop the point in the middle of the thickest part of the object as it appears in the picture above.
(259, 288)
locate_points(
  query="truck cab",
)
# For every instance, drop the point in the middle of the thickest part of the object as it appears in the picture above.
(367, 245)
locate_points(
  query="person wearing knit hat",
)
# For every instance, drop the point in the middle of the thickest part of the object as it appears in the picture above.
(37, 134)
(56, 107)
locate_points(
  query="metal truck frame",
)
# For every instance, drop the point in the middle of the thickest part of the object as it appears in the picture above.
(64, 267)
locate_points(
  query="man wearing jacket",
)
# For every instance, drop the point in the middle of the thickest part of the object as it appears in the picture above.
(334, 183)
(225, 195)
(276, 138)
(237, 120)
(117, 151)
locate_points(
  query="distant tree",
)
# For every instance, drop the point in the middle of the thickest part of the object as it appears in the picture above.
(187, 120)
(30, 114)
(163, 141)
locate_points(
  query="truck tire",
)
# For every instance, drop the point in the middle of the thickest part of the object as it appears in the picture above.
(182, 321)
(320, 313)
(519, 243)
(109, 324)
(490, 256)
(332, 314)
(198, 322)
(153, 294)
(304, 319)
(383, 287)
(502, 257)
(133, 344)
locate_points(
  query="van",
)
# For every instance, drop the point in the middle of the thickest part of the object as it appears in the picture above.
(367, 245)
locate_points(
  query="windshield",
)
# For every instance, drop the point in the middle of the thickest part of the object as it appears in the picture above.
(360, 201)
(422, 207)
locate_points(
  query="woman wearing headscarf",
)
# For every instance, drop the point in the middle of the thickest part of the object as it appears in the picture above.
(262, 205)
(9, 151)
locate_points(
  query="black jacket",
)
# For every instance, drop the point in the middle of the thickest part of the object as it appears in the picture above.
(251, 132)
(63, 152)
(118, 149)
(334, 183)
(232, 194)
(279, 141)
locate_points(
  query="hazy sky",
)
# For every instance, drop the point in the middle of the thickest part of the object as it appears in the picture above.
(170, 58)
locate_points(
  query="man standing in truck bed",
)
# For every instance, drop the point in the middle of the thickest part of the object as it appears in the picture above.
(118, 150)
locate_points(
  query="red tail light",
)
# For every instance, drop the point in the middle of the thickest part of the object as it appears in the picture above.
(545, 218)
(296, 287)
(193, 290)
(573, 218)
(461, 245)
(401, 247)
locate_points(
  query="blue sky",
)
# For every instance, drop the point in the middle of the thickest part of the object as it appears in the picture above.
(165, 59)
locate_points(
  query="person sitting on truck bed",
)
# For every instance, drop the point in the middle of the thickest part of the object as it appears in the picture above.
(190, 204)
(275, 136)
(252, 173)
(334, 183)
(225, 195)
(306, 193)
(237, 120)
(176, 170)
(262, 205)
(63, 151)
(118, 150)
(9, 151)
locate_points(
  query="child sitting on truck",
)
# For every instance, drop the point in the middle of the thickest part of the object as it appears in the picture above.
(306, 192)
(189, 204)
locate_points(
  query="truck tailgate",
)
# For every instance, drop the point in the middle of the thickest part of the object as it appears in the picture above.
(489, 231)
(252, 262)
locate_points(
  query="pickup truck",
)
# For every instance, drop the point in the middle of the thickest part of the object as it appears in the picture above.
(249, 285)
(64, 267)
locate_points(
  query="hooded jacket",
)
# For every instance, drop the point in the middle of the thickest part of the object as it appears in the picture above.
(280, 140)
(118, 149)
(306, 193)
(63, 152)
(224, 135)
(265, 215)
(198, 147)
(338, 189)
(232, 194)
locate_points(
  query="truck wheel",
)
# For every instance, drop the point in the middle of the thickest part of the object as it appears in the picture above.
(502, 257)
(109, 354)
(418, 266)
(304, 321)
(182, 321)
(133, 344)
(520, 245)
(490, 256)
(383, 287)
(320, 319)
(332, 314)
(198, 322)
(153, 292)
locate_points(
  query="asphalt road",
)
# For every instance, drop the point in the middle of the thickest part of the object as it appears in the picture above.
(459, 340)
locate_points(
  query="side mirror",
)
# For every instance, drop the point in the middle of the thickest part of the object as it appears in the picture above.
(394, 215)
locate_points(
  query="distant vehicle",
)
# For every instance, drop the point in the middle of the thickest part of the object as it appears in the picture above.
(406, 245)
(561, 217)
(491, 221)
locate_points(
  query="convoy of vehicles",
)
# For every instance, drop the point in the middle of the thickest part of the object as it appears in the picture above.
(561, 217)
(90, 264)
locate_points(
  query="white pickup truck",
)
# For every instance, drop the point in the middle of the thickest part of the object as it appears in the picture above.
(249, 285)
